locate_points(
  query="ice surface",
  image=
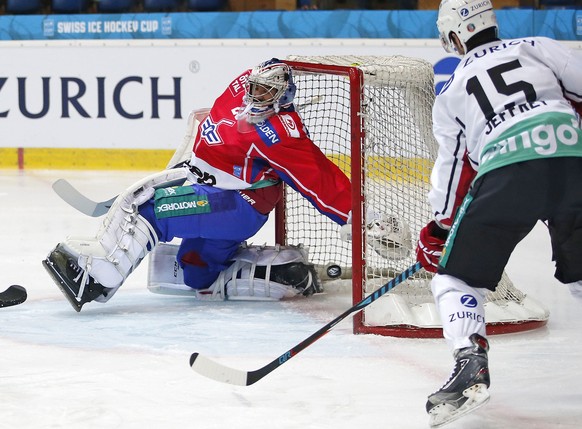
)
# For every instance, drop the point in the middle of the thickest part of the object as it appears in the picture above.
(124, 364)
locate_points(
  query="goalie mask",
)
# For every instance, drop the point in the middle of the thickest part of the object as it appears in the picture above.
(269, 88)
(465, 18)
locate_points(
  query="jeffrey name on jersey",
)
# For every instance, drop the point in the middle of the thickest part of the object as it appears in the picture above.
(511, 112)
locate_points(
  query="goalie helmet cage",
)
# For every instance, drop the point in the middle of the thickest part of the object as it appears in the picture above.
(371, 115)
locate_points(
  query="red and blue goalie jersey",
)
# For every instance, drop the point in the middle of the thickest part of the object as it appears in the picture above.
(231, 153)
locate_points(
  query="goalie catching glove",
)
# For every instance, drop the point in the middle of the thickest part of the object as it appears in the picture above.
(431, 243)
(388, 235)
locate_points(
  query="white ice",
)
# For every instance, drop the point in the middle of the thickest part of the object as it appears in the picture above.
(124, 364)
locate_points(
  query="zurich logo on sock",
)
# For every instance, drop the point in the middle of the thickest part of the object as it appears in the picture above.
(469, 301)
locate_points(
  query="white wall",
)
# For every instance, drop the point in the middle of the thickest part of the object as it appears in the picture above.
(201, 67)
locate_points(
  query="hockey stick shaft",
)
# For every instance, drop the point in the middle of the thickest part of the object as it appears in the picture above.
(219, 372)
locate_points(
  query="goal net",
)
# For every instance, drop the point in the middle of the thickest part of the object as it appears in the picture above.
(372, 117)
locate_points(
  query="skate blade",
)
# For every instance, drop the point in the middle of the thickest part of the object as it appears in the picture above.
(62, 285)
(443, 414)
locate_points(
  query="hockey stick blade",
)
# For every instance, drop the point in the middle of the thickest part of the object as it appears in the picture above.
(14, 295)
(216, 371)
(74, 198)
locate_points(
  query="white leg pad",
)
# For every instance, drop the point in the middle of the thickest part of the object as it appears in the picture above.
(461, 308)
(125, 237)
(237, 282)
(245, 286)
(117, 249)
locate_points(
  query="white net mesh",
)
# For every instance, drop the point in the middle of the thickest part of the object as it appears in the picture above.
(397, 150)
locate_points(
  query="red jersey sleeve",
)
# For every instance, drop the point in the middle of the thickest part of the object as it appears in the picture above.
(303, 166)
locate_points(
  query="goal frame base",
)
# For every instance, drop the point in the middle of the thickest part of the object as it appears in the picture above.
(407, 331)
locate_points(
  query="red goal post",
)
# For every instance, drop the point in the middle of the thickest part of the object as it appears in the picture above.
(371, 115)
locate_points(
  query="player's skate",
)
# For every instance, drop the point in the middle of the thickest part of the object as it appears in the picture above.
(466, 389)
(75, 283)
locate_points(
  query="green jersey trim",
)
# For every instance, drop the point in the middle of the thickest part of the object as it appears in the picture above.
(548, 135)
(453, 231)
(181, 201)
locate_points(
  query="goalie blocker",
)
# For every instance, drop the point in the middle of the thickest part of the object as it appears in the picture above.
(260, 273)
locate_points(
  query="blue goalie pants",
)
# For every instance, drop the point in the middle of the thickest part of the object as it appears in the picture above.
(211, 222)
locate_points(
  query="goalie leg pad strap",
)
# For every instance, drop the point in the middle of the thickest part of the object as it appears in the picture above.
(116, 250)
(256, 273)
(268, 273)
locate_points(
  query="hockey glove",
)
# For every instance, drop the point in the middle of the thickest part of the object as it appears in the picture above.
(371, 217)
(430, 246)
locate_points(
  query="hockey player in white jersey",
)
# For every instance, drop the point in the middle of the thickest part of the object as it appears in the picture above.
(510, 154)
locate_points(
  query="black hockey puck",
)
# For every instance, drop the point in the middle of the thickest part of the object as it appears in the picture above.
(334, 271)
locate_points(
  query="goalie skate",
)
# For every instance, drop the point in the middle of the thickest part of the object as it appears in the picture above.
(78, 287)
(466, 390)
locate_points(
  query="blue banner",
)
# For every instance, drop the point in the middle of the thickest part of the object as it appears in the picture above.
(375, 24)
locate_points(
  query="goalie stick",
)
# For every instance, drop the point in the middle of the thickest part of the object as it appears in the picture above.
(216, 371)
(85, 205)
(14, 295)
